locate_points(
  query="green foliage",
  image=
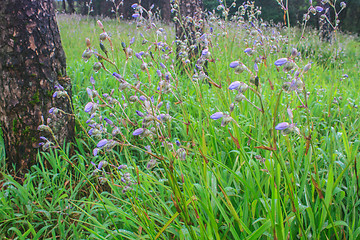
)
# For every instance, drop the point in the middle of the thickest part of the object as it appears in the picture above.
(307, 188)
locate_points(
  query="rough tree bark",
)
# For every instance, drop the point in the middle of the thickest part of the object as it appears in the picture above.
(32, 62)
(189, 24)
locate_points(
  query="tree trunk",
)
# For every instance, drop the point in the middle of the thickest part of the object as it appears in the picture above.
(32, 63)
(83, 6)
(165, 10)
(71, 6)
(188, 25)
(64, 6)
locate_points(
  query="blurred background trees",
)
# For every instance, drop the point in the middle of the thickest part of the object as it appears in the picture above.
(350, 17)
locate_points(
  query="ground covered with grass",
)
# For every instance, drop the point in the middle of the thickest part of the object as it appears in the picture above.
(257, 138)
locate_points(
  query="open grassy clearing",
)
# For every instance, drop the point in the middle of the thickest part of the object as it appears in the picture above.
(245, 180)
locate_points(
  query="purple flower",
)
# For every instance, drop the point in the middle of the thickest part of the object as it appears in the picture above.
(142, 98)
(148, 148)
(101, 164)
(161, 116)
(43, 138)
(51, 110)
(92, 80)
(135, 15)
(88, 106)
(122, 167)
(102, 143)
(248, 50)
(162, 65)
(319, 9)
(256, 67)
(140, 114)
(205, 52)
(217, 115)
(116, 75)
(307, 67)
(234, 64)
(58, 86)
(177, 143)
(55, 94)
(138, 131)
(280, 62)
(158, 72)
(282, 126)
(108, 121)
(91, 131)
(151, 164)
(89, 92)
(134, 5)
(138, 56)
(234, 85)
(95, 152)
(133, 38)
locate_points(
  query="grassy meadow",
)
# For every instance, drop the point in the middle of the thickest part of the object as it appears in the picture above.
(254, 144)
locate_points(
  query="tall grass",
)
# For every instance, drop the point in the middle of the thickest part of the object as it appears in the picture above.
(242, 181)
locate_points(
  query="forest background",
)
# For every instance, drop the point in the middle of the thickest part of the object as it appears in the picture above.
(349, 17)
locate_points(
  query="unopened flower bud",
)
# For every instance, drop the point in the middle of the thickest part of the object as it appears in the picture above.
(96, 66)
(100, 24)
(312, 10)
(44, 128)
(280, 62)
(294, 52)
(226, 120)
(151, 164)
(133, 98)
(129, 52)
(103, 48)
(307, 67)
(232, 106)
(143, 66)
(87, 54)
(239, 97)
(103, 36)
